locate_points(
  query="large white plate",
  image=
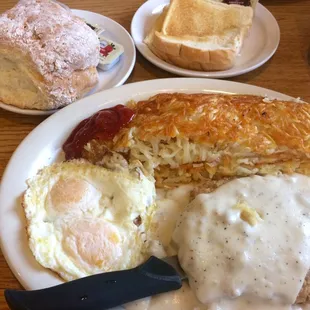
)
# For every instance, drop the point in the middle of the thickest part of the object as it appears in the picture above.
(107, 79)
(43, 145)
(259, 46)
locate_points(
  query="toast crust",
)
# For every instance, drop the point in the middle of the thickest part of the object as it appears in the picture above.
(187, 57)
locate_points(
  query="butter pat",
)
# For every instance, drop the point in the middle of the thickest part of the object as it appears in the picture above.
(110, 53)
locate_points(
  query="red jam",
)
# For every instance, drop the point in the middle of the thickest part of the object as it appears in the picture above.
(103, 125)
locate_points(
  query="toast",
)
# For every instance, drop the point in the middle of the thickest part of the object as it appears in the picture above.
(200, 34)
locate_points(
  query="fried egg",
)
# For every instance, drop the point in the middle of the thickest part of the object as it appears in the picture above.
(81, 218)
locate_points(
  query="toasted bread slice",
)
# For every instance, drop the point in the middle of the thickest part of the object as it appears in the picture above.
(198, 20)
(171, 51)
(200, 34)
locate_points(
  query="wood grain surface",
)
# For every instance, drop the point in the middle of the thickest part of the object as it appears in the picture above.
(288, 72)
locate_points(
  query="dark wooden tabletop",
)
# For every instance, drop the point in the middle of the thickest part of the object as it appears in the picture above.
(288, 71)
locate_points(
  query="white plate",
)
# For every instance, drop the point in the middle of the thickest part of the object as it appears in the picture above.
(37, 151)
(107, 79)
(259, 46)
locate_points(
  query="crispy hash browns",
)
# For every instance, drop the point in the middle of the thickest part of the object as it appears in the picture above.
(197, 137)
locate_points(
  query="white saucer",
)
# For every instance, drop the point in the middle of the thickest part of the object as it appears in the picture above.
(259, 46)
(107, 79)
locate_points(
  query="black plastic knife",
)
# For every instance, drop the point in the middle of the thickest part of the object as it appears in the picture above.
(105, 290)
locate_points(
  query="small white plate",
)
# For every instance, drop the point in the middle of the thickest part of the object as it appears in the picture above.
(259, 46)
(36, 151)
(107, 79)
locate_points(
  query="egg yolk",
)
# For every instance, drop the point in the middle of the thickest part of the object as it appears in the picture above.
(96, 243)
(68, 194)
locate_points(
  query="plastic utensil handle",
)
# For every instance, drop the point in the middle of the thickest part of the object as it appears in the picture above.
(101, 291)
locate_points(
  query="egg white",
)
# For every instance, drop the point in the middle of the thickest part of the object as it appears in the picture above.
(81, 218)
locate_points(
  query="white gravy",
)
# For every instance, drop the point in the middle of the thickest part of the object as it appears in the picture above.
(265, 262)
(185, 299)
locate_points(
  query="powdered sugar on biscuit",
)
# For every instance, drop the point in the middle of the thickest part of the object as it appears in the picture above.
(56, 40)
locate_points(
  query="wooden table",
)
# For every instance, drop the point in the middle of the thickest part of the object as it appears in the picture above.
(288, 71)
